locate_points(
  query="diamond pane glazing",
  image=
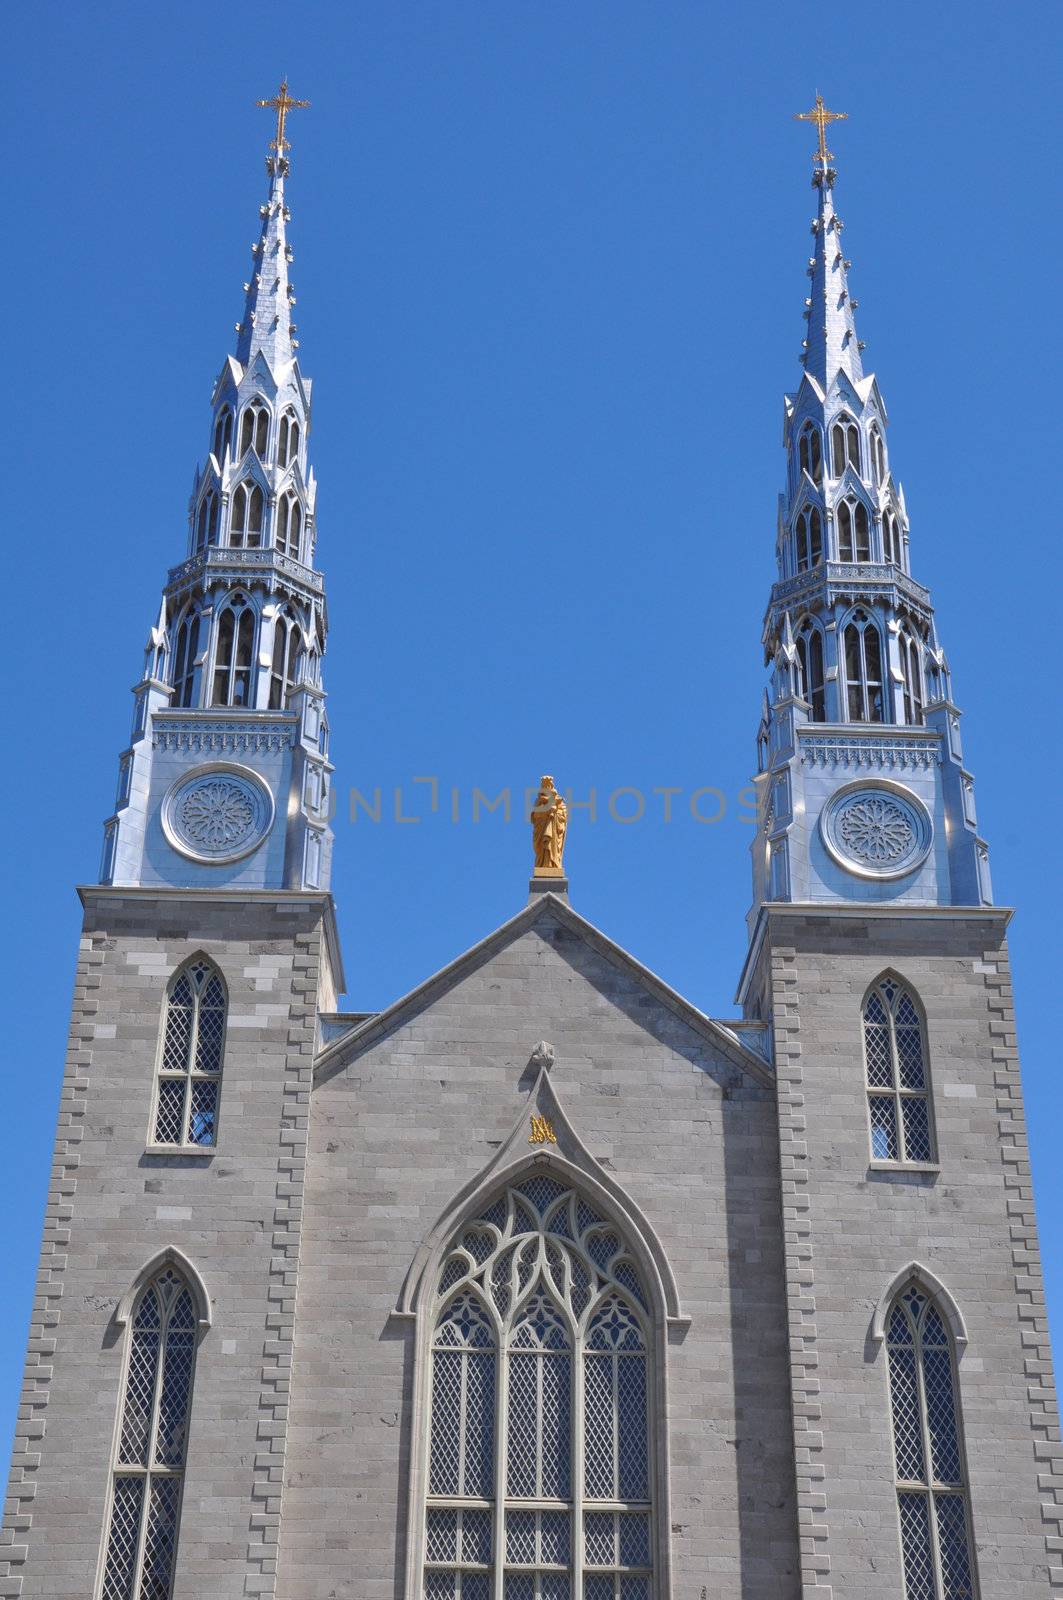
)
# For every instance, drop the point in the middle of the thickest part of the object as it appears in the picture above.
(476, 1537)
(598, 1587)
(634, 1541)
(634, 1588)
(631, 1419)
(123, 1538)
(599, 1539)
(954, 1547)
(139, 1395)
(180, 1012)
(440, 1585)
(883, 1128)
(599, 1466)
(907, 1425)
(202, 1103)
(877, 1051)
(941, 1414)
(916, 1119)
(160, 1539)
(910, 1057)
(441, 1535)
(919, 1581)
(170, 1111)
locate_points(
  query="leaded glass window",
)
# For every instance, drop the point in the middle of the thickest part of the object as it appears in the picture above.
(149, 1461)
(539, 1469)
(190, 1060)
(932, 1496)
(898, 1085)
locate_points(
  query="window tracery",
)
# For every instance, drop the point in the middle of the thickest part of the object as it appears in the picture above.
(810, 452)
(854, 541)
(148, 1468)
(254, 429)
(245, 521)
(845, 445)
(862, 649)
(190, 1058)
(898, 1085)
(288, 439)
(184, 659)
(932, 1496)
(810, 657)
(541, 1339)
(911, 677)
(234, 653)
(809, 538)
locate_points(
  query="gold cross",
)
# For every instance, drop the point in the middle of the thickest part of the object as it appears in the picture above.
(821, 116)
(282, 103)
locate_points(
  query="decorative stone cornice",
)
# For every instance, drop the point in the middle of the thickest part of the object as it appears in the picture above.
(909, 751)
(195, 734)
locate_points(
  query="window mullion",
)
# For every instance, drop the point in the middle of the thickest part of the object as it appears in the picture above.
(895, 1070)
(152, 1440)
(501, 1464)
(928, 1458)
(578, 1446)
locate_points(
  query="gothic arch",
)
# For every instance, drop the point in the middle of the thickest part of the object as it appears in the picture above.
(571, 1165)
(933, 1286)
(169, 1256)
(568, 1160)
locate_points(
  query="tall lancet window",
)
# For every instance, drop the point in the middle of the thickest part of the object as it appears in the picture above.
(810, 452)
(245, 521)
(928, 1451)
(186, 644)
(207, 521)
(223, 434)
(808, 537)
(898, 1085)
(891, 537)
(289, 525)
(845, 446)
(285, 660)
(234, 653)
(190, 1058)
(539, 1467)
(911, 677)
(862, 646)
(149, 1459)
(288, 439)
(810, 656)
(254, 429)
(854, 539)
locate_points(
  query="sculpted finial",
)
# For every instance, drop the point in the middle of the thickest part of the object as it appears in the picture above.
(549, 820)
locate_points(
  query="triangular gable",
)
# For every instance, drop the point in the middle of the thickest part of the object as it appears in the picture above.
(543, 908)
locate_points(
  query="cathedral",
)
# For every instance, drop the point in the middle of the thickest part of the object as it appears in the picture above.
(540, 1284)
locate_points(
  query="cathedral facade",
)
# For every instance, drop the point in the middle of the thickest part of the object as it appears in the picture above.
(540, 1284)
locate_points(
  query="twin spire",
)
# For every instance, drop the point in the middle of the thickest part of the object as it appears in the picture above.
(830, 344)
(267, 323)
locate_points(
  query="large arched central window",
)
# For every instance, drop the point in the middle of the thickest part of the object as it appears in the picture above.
(539, 1473)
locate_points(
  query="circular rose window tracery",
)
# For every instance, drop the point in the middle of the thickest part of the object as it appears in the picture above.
(217, 814)
(876, 830)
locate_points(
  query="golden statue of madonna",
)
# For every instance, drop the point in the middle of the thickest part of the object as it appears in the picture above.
(549, 819)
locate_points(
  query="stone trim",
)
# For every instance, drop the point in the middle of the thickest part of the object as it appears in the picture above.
(800, 1280)
(1026, 1255)
(267, 1490)
(47, 1301)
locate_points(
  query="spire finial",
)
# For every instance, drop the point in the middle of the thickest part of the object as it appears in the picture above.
(820, 116)
(282, 103)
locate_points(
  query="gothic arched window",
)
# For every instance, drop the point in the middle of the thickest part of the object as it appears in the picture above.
(245, 523)
(898, 1083)
(207, 521)
(540, 1346)
(288, 439)
(190, 1057)
(285, 659)
(932, 1497)
(891, 537)
(810, 656)
(810, 452)
(878, 456)
(254, 429)
(149, 1459)
(809, 538)
(845, 445)
(289, 526)
(911, 676)
(223, 433)
(854, 541)
(234, 653)
(862, 648)
(184, 659)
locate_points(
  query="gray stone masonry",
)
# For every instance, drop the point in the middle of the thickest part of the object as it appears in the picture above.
(111, 1206)
(400, 1123)
(852, 1227)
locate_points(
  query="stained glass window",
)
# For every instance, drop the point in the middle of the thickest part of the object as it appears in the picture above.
(540, 1349)
(149, 1462)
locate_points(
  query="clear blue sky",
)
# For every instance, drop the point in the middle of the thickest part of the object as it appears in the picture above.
(550, 268)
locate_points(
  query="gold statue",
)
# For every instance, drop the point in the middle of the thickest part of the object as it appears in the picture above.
(549, 820)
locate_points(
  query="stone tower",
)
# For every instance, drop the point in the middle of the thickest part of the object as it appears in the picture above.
(903, 1153)
(539, 1284)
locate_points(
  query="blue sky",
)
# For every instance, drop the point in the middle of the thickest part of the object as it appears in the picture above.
(550, 270)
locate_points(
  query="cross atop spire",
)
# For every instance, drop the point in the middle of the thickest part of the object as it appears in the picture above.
(282, 103)
(820, 116)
